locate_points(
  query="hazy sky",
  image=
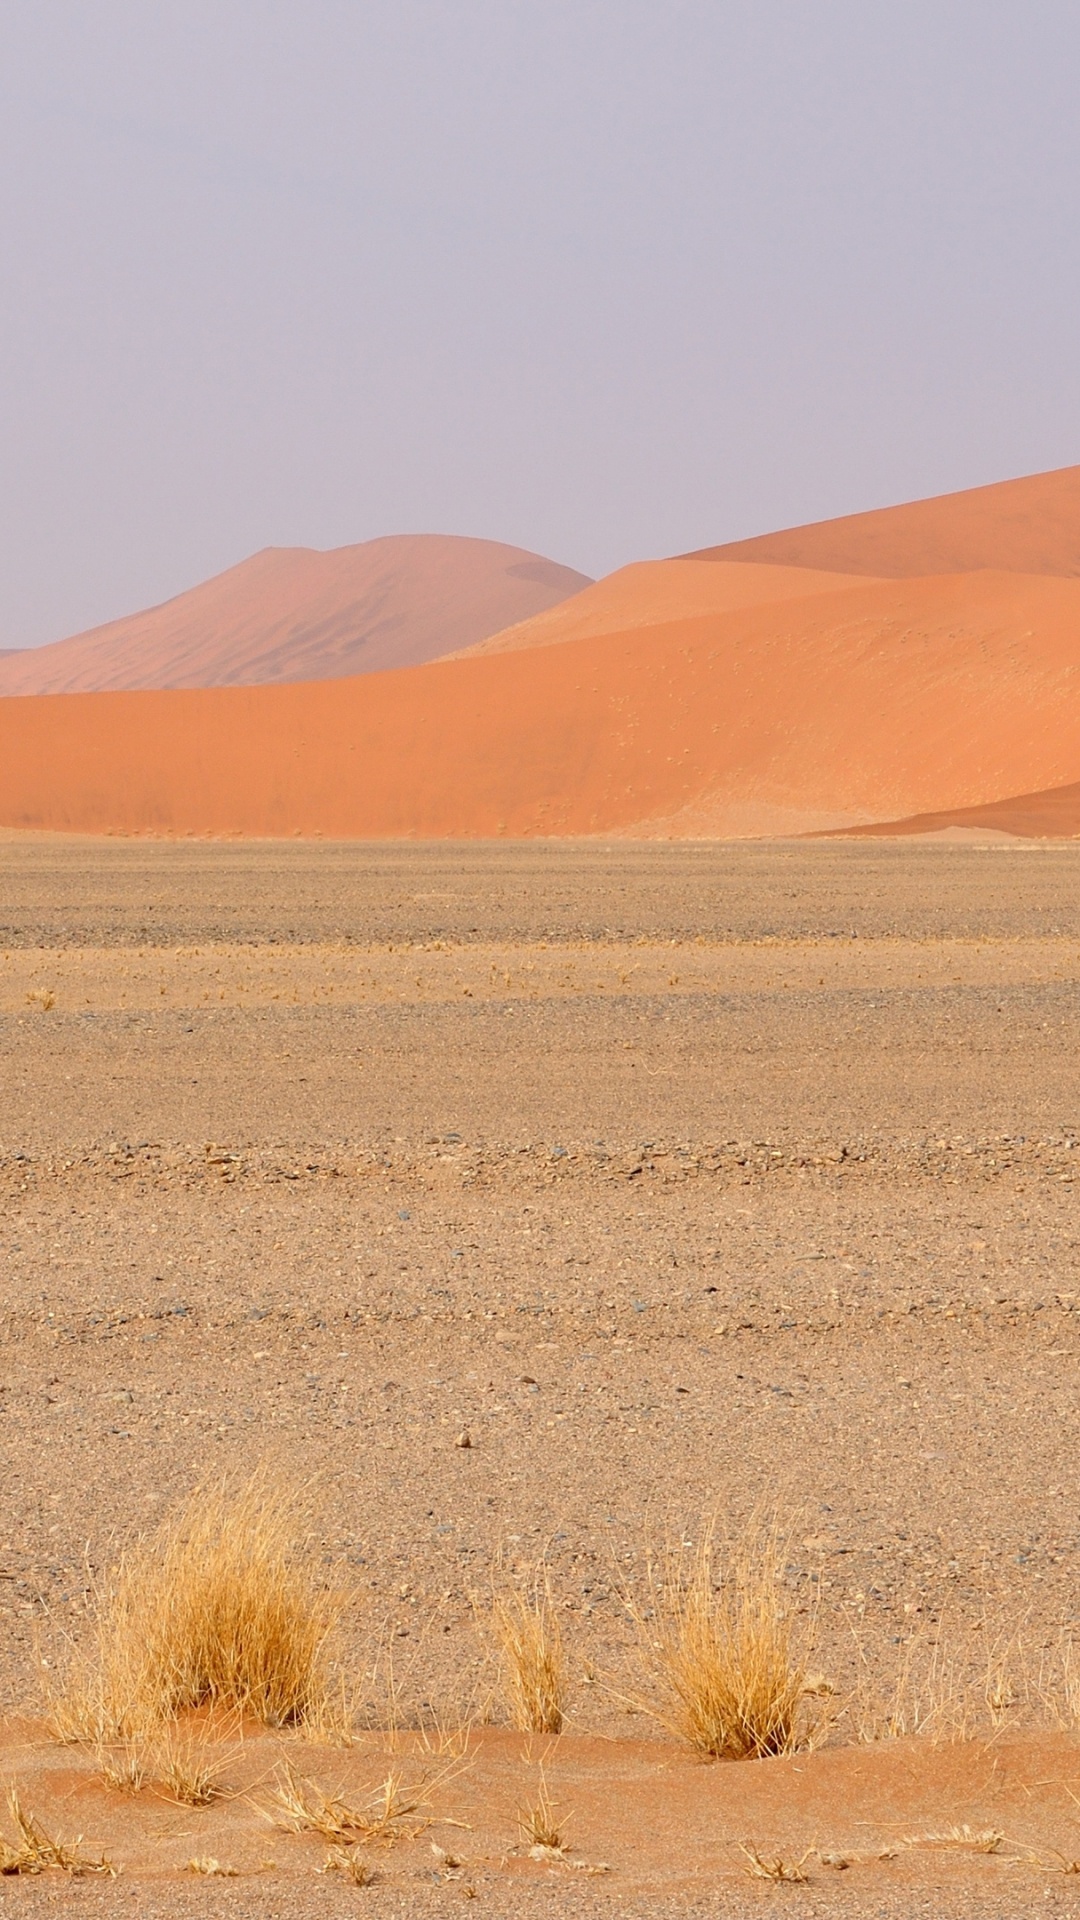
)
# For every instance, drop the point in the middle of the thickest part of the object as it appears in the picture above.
(607, 278)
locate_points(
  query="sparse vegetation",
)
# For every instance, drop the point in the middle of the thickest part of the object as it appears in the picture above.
(533, 1665)
(540, 1825)
(350, 1863)
(35, 1851)
(300, 1806)
(190, 1767)
(774, 1867)
(122, 1768)
(720, 1641)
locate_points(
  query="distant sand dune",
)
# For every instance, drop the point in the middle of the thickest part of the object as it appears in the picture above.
(291, 613)
(871, 703)
(916, 670)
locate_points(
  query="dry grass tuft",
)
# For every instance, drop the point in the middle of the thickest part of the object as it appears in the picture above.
(190, 1768)
(35, 1851)
(300, 1806)
(539, 1825)
(123, 1769)
(722, 1645)
(526, 1627)
(350, 1863)
(219, 1608)
(762, 1866)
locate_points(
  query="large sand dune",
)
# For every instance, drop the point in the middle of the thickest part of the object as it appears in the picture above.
(1028, 526)
(291, 613)
(876, 701)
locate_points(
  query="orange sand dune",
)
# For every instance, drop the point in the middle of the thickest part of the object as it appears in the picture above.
(291, 613)
(653, 591)
(876, 702)
(1030, 526)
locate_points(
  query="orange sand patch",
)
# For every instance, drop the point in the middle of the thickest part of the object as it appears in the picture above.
(638, 1816)
(290, 613)
(874, 703)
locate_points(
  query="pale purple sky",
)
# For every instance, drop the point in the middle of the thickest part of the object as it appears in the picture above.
(607, 278)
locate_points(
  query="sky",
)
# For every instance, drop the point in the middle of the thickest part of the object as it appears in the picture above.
(607, 279)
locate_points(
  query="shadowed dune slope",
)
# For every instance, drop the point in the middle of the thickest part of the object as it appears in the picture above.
(873, 703)
(291, 613)
(655, 591)
(1053, 814)
(1027, 526)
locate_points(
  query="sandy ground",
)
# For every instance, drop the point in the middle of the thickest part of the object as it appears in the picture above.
(674, 1176)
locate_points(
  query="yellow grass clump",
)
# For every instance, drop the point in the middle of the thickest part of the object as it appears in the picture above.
(35, 1851)
(220, 1608)
(526, 1628)
(721, 1643)
(539, 1825)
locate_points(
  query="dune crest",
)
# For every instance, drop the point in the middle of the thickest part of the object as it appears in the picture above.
(1027, 526)
(652, 592)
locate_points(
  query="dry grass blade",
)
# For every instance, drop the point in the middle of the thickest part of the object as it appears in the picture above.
(772, 1867)
(35, 1851)
(221, 1607)
(723, 1648)
(526, 1627)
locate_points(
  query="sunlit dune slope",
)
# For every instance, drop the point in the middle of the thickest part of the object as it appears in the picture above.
(872, 703)
(656, 591)
(1030, 526)
(291, 613)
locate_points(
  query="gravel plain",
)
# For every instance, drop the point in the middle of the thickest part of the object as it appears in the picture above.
(675, 1178)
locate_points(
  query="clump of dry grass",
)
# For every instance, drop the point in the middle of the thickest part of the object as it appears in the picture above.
(190, 1767)
(762, 1866)
(123, 1768)
(219, 1608)
(350, 1863)
(533, 1664)
(36, 1851)
(539, 1825)
(300, 1806)
(721, 1642)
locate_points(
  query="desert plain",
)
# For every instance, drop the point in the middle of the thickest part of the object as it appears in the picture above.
(674, 1179)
